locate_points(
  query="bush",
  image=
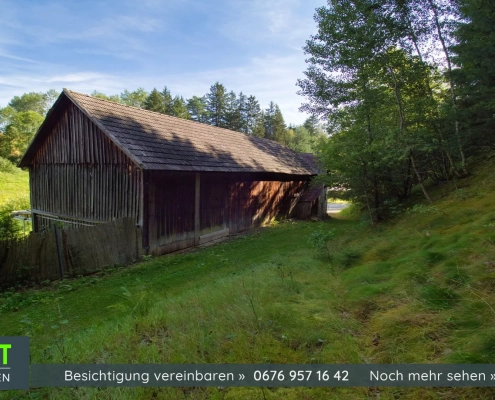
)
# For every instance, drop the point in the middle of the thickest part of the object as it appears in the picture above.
(9, 227)
(352, 211)
(320, 238)
(7, 166)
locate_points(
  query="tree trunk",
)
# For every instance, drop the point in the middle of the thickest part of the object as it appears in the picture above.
(451, 84)
(420, 180)
(414, 39)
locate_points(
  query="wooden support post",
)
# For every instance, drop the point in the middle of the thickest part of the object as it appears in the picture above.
(59, 251)
(197, 221)
(145, 211)
(34, 223)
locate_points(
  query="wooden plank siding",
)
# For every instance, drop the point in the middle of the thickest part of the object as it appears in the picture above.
(78, 172)
(170, 207)
(214, 205)
(225, 203)
(254, 203)
(183, 182)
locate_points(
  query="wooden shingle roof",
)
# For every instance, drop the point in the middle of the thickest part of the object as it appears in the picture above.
(160, 142)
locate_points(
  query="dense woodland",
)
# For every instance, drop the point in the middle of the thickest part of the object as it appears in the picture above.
(20, 120)
(407, 88)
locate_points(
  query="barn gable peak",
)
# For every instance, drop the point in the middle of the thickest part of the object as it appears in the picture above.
(156, 141)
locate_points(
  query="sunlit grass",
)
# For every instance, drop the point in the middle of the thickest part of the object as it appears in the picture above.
(13, 185)
(420, 289)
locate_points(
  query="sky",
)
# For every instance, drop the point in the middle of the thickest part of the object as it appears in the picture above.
(253, 46)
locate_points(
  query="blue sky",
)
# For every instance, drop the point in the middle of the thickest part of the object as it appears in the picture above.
(254, 46)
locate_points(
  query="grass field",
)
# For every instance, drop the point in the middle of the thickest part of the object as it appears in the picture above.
(419, 289)
(13, 185)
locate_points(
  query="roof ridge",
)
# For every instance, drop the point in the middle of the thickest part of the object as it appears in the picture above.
(165, 115)
(205, 147)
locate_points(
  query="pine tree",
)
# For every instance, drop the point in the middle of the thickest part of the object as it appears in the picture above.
(168, 102)
(269, 117)
(279, 128)
(257, 127)
(232, 112)
(154, 102)
(254, 119)
(216, 105)
(475, 55)
(179, 108)
(196, 106)
(275, 128)
(311, 125)
(242, 113)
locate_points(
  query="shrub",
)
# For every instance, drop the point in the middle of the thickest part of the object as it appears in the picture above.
(9, 227)
(7, 166)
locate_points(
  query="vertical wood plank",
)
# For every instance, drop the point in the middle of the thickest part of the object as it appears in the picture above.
(197, 204)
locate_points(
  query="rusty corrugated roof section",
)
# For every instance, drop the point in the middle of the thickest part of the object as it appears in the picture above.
(161, 142)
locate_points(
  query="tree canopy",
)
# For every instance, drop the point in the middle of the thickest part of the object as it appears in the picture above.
(395, 82)
(20, 120)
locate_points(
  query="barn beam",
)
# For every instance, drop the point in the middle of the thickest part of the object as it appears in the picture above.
(146, 211)
(197, 220)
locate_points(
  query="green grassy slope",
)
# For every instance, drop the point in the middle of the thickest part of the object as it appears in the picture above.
(13, 185)
(419, 289)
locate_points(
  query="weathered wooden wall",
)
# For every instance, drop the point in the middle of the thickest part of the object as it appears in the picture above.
(229, 203)
(170, 211)
(79, 174)
(254, 203)
(214, 202)
(82, 250)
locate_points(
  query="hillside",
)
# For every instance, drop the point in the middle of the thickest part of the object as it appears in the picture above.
(419, 289)
(13, 184)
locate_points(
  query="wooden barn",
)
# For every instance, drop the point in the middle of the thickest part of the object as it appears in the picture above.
(184, 182)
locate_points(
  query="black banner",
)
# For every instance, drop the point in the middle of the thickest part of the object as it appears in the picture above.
(268, 375)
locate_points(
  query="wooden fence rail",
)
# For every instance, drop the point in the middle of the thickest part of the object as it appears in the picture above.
(82, 250)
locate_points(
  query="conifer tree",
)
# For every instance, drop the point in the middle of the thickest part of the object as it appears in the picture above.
(154, 102)
(168, 102)
(254, 118)
(216, 105)
(196, 106)
(275, 128)
(242, 113)
(179, 108)
(279, 127)
(475, 77)
(232, 112)
(269, 117)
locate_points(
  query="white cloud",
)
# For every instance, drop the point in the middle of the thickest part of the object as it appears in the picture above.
(85, 82)
(283, 23)
(268, 78)
(268, 35)
(11, 57)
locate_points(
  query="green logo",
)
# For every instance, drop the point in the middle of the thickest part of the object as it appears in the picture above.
(4, 348)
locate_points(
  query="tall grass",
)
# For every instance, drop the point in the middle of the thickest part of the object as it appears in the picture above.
(419, 289)
(14, 182)
(14, 195)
